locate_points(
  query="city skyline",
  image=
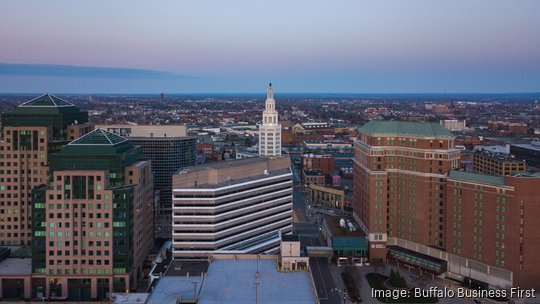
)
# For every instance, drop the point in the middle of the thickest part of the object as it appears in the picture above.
(194, 47)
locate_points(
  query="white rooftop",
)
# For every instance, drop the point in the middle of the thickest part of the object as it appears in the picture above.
(172, 289)
(130, 298)
(234, 281)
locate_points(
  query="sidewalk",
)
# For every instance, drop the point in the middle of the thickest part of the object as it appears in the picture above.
(338, 282)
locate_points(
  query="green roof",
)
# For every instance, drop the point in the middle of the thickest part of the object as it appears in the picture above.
(46, 100)
(98, 137)
(405, 128)
(476, 177)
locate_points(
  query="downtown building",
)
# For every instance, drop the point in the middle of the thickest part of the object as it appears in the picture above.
(400, 179)
(239, 206)
(497, 163)
(92, 222)
(168, 148)
(270, 129)
(419, 211)
(30, 133)
(493, 228)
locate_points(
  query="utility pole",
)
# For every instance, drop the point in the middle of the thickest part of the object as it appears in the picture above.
(257, 288)
(257, 282)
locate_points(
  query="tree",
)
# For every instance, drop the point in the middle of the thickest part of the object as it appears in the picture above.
(376, 263)
(396, 280)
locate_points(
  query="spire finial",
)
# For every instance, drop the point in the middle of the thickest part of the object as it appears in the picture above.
(270, 93)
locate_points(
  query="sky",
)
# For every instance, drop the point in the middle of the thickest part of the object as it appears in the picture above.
(238, 46)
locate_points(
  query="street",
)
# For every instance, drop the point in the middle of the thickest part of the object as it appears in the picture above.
(310, 235)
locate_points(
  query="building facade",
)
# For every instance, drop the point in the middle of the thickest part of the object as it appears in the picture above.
(169, 149)
(270, 129)
(168, 155)
(454, 124)
(528, 152)
(328, 196)
(29, 134)
(325, 163)
(418, 210)
(92, 224)
(129, 131)
(496, 163)
(238, 206)
(494, 222)
(399, 179)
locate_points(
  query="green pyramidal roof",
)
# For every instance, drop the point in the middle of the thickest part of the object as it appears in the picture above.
(98, 137)
(405, 128)
(46, 100)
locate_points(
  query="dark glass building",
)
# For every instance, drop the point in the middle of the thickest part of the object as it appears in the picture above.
(168, 155)
(46, 110)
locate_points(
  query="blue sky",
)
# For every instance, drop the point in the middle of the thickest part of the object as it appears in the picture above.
(172, 46)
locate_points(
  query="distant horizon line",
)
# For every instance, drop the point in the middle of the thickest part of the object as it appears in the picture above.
(280, 93)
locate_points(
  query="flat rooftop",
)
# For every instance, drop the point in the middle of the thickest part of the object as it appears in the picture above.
(130, 298)
(234, 281)
(528, 146)
(170, 290)
(290, 238)
(338, 231)
(312, 173)
(184, 268)
(226, 164)
(476, 177)
(501, 156)
(227, 173)
(16, 267)
(233, 181)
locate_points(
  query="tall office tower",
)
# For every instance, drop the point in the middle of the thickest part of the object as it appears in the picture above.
(236, 206)
(29, 134)
(400, 180)
(493, 222)
(169, 149)
(270, 129)
(92, 223)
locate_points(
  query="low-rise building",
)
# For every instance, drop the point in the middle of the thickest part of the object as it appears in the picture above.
(346, 238)
(495, 163)
(313, 177)
(329, 196)
(528, 152)
(324, 162)
(234, 278)
(454, 124)
(292, 258)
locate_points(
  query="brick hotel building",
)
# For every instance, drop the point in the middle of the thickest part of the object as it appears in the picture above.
(400, 181)
(419, 211)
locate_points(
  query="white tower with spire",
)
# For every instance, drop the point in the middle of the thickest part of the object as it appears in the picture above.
(270, 129)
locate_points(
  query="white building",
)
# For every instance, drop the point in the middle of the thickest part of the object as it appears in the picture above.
(239, 206)
(454, 124)
(270, 129)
